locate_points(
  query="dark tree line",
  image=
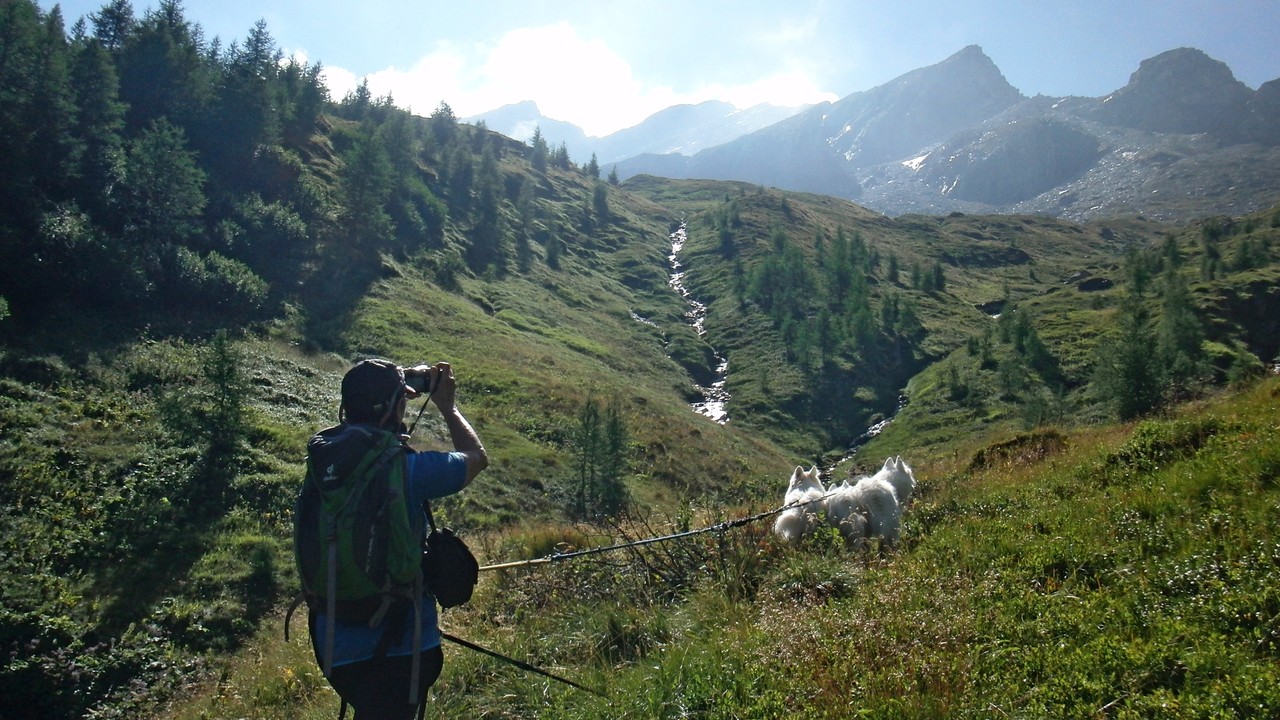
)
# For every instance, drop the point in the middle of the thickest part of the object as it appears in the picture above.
(823, 307)
(162, 176)
(144, 165)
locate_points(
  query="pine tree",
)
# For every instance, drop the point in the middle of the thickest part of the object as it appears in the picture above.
(1124, 366)
(249, 103)
(560, 158)
(99, 123)
(587, 443)
(113, 24)
(525, 212)
(228, 394)
(840, 270)
(461, 173)
(600, 201)
(163, 73)
(611, 490)
(305, 95)
(555, 247)
(365, 185)
(538, 158)
(487, 237)
(1210, 255)
(356, 104)
(444, 125)
(162, 192)
(1179, 335)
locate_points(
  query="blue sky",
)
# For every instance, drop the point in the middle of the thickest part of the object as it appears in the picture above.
(607, 65)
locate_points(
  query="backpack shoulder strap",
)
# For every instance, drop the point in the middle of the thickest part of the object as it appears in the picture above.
(431, 521)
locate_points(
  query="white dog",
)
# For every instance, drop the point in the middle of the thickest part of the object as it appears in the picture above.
(867, 509)
(899, 475)
(843, 513)
(805, 491)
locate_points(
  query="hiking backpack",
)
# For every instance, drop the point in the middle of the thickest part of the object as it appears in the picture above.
(357, 545)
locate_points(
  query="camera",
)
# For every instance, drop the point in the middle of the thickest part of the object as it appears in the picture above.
(417, 380)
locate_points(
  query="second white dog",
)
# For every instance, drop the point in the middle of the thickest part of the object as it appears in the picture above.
(866, 509)
(805, 492)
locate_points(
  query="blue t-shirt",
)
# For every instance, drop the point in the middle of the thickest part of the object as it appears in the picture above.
(430, 475)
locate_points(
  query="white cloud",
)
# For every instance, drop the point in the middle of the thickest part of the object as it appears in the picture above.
(787, 88)
(339, 81)
(571, 78)
(790, 32)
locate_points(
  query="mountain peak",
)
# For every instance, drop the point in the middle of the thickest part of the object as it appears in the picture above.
(970, 56)
(969, 51)
(921, 107)
(1182, 91)
(1179, 66)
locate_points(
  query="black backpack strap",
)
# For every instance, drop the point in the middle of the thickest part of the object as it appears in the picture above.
(416, 677)
(301, 597)
(431, 521)
(331, 607)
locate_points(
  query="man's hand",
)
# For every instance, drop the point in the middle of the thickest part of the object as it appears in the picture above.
(442, 387)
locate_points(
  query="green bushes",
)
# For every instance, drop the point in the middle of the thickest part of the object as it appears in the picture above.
(121, 562)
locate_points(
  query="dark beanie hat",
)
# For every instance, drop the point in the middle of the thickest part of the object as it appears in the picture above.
(370, 389)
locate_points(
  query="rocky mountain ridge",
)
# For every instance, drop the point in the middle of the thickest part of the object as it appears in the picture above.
(1182, 139)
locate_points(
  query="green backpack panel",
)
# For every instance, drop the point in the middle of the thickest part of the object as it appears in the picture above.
(353, 533)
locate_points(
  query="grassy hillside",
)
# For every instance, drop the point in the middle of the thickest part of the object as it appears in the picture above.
(1031, 534)
(146, 519)
(1063, 280)
(1110, 571)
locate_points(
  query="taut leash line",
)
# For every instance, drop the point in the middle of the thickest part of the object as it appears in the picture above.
(518, 663)
(718, 527)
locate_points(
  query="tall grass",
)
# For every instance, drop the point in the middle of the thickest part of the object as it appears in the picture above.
(1128, 573)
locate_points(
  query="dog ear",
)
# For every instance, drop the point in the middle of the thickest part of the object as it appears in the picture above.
(888, 463)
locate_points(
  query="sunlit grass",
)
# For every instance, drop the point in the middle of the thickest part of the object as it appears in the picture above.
(1070, 587)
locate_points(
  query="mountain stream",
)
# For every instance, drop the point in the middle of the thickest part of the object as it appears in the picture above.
(715, 398)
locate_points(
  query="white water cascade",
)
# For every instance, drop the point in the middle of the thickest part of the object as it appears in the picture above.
(851, 451)
(715, 398)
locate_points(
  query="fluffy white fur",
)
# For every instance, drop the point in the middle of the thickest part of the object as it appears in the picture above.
(866, 509)
(805, 487)
(843, 513)
(898, 474)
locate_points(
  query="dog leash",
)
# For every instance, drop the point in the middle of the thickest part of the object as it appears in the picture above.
(518, 663)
